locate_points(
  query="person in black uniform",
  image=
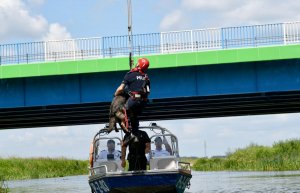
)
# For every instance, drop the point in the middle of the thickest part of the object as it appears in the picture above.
(136, 85)
(138, 147)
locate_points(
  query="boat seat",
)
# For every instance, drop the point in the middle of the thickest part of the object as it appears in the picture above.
(167, 162)
(112, 166)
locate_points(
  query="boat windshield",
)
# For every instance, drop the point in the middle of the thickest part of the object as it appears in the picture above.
(107, 147)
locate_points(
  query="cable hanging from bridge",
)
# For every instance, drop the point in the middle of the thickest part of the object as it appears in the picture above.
(129, 9)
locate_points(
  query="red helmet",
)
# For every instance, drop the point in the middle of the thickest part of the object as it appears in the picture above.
(143, 64)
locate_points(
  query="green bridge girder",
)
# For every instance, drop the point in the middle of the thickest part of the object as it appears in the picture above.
(168, 60)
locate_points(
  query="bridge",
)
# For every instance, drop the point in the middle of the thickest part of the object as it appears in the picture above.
(232, 71)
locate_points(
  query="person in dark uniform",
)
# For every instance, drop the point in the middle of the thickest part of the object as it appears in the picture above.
(138, 147)
(136, 85)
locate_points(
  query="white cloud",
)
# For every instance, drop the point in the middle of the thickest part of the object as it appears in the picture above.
(17, 22)
(174, 20)
(265, 11)
(71, 142)
(63, 130)
(204, 5)
(25, 137)
(219, 134)
(215, 13)
(231, 133)
(57, 32)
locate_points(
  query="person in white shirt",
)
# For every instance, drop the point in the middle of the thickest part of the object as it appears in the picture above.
(110, 153)
(159, 151)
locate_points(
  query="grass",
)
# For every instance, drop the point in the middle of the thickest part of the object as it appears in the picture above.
(284, 155)
(33, 168)
(3, 186)
(191, 160)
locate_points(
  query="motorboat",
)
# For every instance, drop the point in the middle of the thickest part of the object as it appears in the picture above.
(164, 174)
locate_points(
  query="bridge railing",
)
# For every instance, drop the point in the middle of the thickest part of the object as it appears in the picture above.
(152, 43)
(292, 33)
(116, 46)
(73, 49)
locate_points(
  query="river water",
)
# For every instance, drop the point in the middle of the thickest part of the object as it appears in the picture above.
(202, 182)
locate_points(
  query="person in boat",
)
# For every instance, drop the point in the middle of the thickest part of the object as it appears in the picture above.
(111, 153)
(135, 85)
(159, 151)
(138, 147)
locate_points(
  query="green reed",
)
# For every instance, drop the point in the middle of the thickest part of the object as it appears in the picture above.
(191, 160)
(33, 168)
(284, 155)
(3, 186)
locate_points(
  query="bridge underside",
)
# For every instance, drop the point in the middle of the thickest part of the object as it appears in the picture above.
(158, 109)
(238, 89)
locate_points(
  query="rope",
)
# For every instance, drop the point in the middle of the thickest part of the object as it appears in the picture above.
(129, 9)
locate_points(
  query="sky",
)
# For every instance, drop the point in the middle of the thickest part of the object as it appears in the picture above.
(40, 20)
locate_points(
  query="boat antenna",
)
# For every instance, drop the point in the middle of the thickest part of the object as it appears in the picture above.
(130, 33)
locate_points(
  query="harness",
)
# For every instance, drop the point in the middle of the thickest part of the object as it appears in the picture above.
(138, 95)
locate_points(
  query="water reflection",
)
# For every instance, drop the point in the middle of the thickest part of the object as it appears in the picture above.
(202, 182)
(73, 184)
(240, 182)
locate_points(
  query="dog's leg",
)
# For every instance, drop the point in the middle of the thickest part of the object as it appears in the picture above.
(112, 124)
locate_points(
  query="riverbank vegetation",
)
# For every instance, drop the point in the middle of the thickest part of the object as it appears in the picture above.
(33, 168)
(283, 155)
(3, 186)
(191, 160)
